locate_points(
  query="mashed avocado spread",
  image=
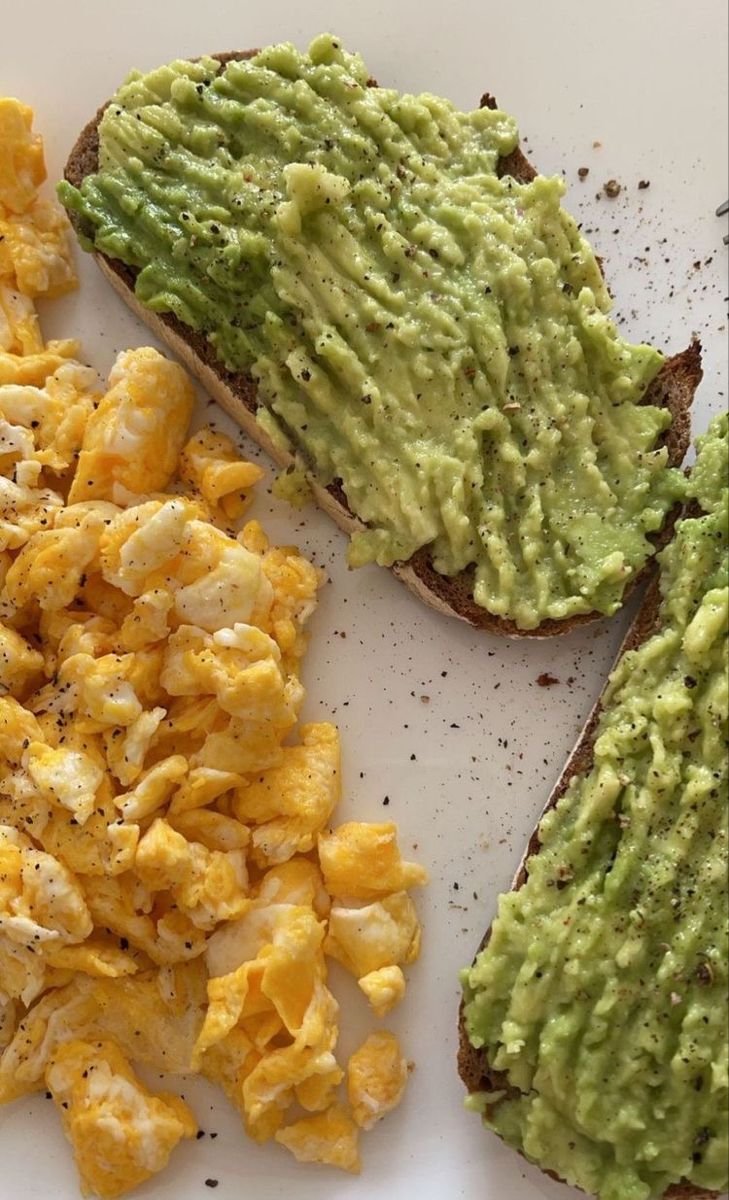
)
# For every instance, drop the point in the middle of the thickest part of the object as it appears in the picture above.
(429, 334)
(601, 997)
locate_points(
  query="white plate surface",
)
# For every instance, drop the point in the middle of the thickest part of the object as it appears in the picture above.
(646, 79)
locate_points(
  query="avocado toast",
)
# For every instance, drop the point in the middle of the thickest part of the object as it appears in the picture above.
(593, 1030)
(537, 502)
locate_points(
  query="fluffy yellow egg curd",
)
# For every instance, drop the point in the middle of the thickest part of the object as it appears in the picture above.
(171, 887)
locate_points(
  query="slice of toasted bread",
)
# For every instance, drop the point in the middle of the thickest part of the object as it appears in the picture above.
(473, 1064)
(673, 388)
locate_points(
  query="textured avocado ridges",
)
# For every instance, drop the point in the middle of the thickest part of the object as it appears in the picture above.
(674, 388)
(473, 1064)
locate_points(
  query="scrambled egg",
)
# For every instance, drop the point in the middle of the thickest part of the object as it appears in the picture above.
(120, 1133)
(35, 255)
(170, 889)
(376, 1078)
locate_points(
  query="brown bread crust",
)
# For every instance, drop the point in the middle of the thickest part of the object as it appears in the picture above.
(674, 387)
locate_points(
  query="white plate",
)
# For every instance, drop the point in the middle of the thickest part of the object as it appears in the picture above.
(646, 80)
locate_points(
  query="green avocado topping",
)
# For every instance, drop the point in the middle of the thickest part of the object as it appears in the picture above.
(425, 331)
(601, 997)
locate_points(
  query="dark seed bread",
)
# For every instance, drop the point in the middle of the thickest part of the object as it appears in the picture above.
(673, 387)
